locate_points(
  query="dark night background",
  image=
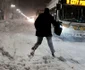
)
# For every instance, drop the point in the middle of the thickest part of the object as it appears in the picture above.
(30, 6)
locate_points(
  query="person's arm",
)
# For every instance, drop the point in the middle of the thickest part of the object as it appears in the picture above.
(56, 23)
(36, 24)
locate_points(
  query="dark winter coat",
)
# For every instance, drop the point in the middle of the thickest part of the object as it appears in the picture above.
(43, 25)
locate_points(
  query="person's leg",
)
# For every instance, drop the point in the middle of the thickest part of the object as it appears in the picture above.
(50, 44)
(39, 41)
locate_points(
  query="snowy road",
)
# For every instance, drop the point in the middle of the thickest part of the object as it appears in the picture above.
(17, 38)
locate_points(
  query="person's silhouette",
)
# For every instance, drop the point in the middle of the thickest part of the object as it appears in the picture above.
(43, 29)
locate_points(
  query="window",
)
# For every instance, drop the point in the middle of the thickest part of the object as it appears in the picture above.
(72, 13)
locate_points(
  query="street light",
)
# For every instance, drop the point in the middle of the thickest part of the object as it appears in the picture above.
(12, 10)
(13, 6)
(18, 10)
(28, 18)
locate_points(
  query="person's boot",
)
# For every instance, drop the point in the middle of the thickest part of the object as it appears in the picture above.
(32, 53)
(33, 48)
(53, 54)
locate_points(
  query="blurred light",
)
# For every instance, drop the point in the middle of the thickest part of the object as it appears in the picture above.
(18, 10)
(61, 26)
(13, 6)
(30, 19)
(64, 29)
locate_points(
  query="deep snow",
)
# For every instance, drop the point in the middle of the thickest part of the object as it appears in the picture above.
(18, 36)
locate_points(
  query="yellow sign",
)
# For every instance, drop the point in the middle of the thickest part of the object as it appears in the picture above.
(82, 2)
(76, 2)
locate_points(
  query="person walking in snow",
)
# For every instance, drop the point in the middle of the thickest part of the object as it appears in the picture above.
(43, 29)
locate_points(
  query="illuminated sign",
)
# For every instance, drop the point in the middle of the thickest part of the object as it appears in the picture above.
(76, 2)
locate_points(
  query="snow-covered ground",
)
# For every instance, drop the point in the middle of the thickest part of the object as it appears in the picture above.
(17, 38)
